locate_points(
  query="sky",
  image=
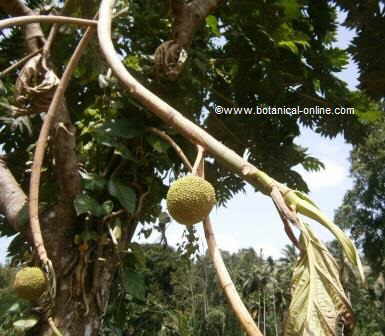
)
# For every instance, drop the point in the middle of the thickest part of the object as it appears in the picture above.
(250, 219)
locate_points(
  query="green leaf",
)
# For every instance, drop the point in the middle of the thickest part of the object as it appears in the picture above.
(14, 308)
(318, 299)
(108, 206)
(291, 8)
(121, 128)
(212, 23)
(158, 144)
(86, 204)
(124, 152)
(289, 45)
(132, 62)
(369, 116)
(25, 324)
(292, 45)
(93, 182)
(124, 194)
(134, 284)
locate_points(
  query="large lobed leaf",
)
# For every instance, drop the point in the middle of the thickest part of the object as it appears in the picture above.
(319, 306)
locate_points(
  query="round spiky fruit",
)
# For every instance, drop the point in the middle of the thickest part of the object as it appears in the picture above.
(190, 199)
(30, 283)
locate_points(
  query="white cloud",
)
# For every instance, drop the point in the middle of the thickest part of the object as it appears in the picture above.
(333, 175)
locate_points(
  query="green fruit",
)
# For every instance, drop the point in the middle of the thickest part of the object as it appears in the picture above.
(30, 283)
(190, 199)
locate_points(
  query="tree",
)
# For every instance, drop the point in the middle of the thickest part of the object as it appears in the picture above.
(363, 208)
(367, 19)
(108, 158)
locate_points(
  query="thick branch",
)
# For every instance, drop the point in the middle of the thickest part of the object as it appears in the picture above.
(33, 34)
(171, 55)
(12, 197)
(45, 19)
(188, 17)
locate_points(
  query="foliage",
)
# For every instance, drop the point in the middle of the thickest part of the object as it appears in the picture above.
(367, 19)
(363, 209)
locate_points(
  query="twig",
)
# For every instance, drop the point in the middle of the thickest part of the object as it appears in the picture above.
(140, 204)
(284, 212)
(198, 168)
(121, 12)
(53, 327)
(287, 215)
(19, 63)
(42, 143)
(113, 215)
(48, 43)
(174, 145)
(22, 20)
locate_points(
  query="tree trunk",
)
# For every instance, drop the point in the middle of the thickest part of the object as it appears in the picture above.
(80, 306)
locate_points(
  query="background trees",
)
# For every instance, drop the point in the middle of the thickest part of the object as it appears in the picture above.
(106, 173)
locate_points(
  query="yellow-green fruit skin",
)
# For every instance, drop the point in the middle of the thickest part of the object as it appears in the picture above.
(30, 283)
(190, 199)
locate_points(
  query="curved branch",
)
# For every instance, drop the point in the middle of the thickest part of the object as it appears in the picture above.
(198, 168)
(22, 20)
(42, 143)
(227, 284)
(171, 116)
(174, 145)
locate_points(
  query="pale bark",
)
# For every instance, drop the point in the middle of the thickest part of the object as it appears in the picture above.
(33, 34)
(12, 197)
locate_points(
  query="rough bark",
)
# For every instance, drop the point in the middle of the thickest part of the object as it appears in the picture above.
(79, 310)
(78, 305)
(171, 55)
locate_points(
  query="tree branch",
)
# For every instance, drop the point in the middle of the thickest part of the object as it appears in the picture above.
(42, 143)
(174, 145)
(12, 197)
(171, 55)
(19, 63)
(227, 284)
(33, 34)
(46, 19)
